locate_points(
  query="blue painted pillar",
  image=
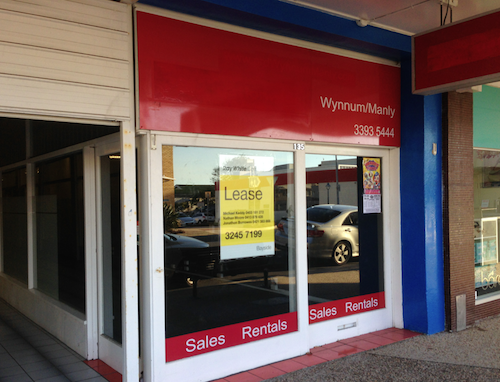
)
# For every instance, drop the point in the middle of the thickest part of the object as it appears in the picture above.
(421, 209)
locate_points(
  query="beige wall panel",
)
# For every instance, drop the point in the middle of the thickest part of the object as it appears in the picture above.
(66, 58)
(101, 13)
(62, 35)
(22, 95)
(43, 63)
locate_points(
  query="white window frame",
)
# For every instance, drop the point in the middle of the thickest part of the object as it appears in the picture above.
(272, 349)
(333, 330)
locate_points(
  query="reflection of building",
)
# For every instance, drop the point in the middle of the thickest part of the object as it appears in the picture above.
(325, 183)
(168, 178)
(189, 197)
(333, 183)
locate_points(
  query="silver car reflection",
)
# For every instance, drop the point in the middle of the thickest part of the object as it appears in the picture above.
(332, 232)
(184, 220)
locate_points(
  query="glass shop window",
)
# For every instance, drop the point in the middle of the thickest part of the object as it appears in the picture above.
(227, 282)
(15, 247)
(60, 252)
(486, 220)
(344, 235)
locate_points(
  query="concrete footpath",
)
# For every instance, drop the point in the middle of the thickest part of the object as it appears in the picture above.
(470, 355)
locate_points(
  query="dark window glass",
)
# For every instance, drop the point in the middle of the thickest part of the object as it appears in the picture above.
(111, 247)
(352, 219)
(13, 142)
(15, 248)
(52, 136)
(60, 230)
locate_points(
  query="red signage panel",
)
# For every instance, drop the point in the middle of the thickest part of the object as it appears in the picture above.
(189, 345)
(198, 79)
(346, 307)
(458, 55)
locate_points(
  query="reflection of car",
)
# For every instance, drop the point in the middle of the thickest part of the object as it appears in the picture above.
(199, 218)
(332, 232)
(188, 259)
(179, 249)
(184, 220)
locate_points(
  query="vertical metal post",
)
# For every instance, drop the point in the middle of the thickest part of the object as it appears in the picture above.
(30, 210)
(337, 179)
(461, 312)
(130, 292)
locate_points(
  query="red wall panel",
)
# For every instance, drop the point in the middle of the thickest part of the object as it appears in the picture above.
(459, 55)
(199, 79)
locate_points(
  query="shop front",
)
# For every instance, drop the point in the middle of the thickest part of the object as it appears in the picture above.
(486, 158)
(472, 188)
(68, 248)
(269, 175)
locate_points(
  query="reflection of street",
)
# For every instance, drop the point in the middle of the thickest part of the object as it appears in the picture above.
(234, 291)
(246, 296)
(328, 282)
(208, 234)
(223, 301)
(251, 288)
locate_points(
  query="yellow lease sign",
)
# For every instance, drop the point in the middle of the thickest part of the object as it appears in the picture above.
(246, 200)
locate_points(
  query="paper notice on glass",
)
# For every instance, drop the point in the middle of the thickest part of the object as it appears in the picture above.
(372, 204)
(371, 175)
(246, 206)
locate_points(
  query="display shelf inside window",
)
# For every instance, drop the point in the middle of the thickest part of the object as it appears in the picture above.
(486, 241)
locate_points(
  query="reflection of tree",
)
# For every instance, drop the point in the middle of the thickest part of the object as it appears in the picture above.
(197, 197)
(215, 175)
(169, 218)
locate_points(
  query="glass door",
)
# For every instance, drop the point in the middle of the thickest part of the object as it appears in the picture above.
(222, 290)
(335, 187)
(223, 272)
(109, 257)
(346, 199)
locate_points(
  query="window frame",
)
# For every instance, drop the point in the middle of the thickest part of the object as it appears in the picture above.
(307, 336)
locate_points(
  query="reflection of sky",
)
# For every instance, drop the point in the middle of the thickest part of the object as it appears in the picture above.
(314, 160)
(195, 165)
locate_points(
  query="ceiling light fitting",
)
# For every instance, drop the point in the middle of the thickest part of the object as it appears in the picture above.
(362, 22)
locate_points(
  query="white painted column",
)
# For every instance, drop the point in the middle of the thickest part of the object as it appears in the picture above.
(301, 247)
(130, 293)
(147, 303)
(130, 277)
